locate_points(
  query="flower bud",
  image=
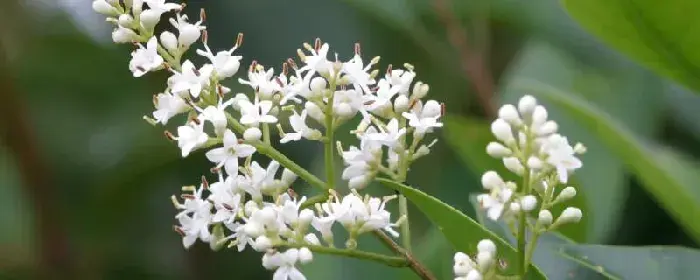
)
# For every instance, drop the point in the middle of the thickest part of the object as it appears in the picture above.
(432, 109)
(486, 245)
(491, 180)
(169, 41)
(544, 217)
(515, 207)
(123, 35)
(501, 129)
(305, 255)
(474, 275)
(102, 7)
(420, 90)
(423, 150)
(318, 84)
(262, 243)
(125, 20)
(534, 163)
(359, 182)
(547, 128)
(250, 207)
(528, 203)
(579, 149)
(305, 217)
(314, 111)
(252, 134)
(566, 194)
(253, 229)
(137, 7)
(497, 150)
(484, 260)
(149, 18)
(570, 215)
(539, 116)
(514, 165)
(509, 114)
(401, 104)
(343, 110)
(526, 105)
(462, 264)
(288, 177)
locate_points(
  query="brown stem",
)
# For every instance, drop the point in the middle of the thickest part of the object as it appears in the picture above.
(17, 134)
(413, 263)
(473, 62)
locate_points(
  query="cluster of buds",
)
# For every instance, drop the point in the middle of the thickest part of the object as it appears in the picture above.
(482, 266)
(530, 147)
(254, 206)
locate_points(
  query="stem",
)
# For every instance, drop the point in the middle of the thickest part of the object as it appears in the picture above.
(384, 259)
(531, 247)
(274, 154)
(414, 264)
(266, 133)
(329, 151)
(314, 199)
(522, 219)
(405, 228)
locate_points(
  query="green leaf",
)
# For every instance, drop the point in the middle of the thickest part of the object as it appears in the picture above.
(469, 137)
(677, 195)
(638, 263)
(463, 232)
(652, 32)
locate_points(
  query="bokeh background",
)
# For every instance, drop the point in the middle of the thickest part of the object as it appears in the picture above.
(85, 182)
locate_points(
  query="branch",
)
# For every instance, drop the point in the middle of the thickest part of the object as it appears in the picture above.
(473, 63)
(387, 260)
(414, 264)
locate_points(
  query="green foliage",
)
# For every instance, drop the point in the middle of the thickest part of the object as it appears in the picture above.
(655, 33)
(639, 263)
(680, 199)
(463, 232)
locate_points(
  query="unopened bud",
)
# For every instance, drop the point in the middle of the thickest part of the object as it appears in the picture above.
(318, 84)
(501, 129)
(539, 116)
(491, 180)
(262, 243)
(305, 255)
(484, 260)
(486, 245)
(149, 18)
(545, 218)
(314, 111)
(102, 7)
(566, 194)
(528, 203)
(547, 128)
(169, 41)
(252, 134)
(510, 114)
(569, 215)
(401, 104)
(579, 149)
(534, 163)
(288, 177)
(526, 105)
(125, 20)
(514, 165)
(497, 150)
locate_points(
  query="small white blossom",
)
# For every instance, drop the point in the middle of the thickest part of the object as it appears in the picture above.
(190, 137)
(227, 156)
(167, 106)
(561, 155)
(495, 202)
(145, 59)
(284, 264)
(388, 136)
(188, 32)
(424, 118)
(317, 61)
(196, 226)
(190, 81)
(298, 123)
(225, 64)
(258, 112)
(358, 74)
(262, 82)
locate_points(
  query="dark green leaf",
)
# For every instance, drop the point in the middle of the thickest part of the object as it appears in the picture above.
(652, 32)
(463, 232)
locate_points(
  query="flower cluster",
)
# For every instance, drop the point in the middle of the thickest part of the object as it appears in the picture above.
(254, 206)
(482, 266)
(530, 147)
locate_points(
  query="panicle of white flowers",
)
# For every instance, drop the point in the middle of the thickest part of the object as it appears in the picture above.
(530, 146)
(254, 206)
(483, 265)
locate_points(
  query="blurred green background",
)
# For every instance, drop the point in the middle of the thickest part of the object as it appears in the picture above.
(85, 182)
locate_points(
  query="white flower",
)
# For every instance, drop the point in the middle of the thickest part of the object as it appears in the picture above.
(167, 106)
(196, 226)
(225, 64)
(317, 61)
(188, 32)
(151, 17)
(262, 81)
(346, 103)
(284, 263)
(190, 137)
(291, 214)
(298, 85)
(401, 80)
(381, 100)
(424, 118)
(354, 213)
(298, 123)
(193, 202)
(361, 163)
(239, 235)
(462, 264)
(169, 41)
(190, 81)
(216, 115)
(495, 202)
(254, 113)
(561, 155)
(226, 200)
(227, 156)
(260, 179)
(388, 136)
(358, 74)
